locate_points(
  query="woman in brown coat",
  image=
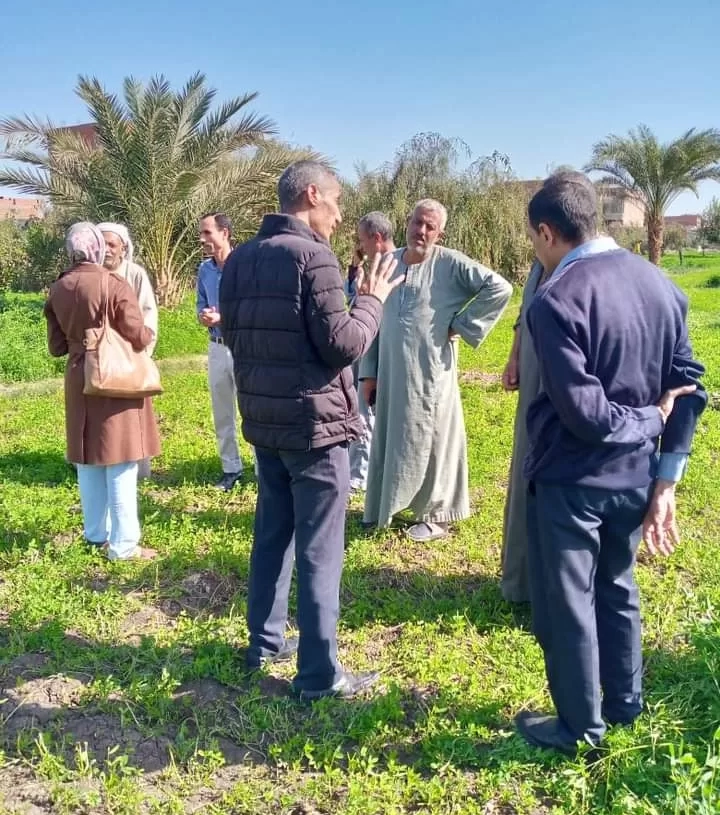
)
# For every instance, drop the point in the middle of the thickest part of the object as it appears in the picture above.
(106, 437)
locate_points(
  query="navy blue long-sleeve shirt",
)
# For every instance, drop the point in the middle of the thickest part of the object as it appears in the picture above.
(610, 332)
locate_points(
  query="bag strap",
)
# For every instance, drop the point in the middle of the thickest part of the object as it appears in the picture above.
(106, 298)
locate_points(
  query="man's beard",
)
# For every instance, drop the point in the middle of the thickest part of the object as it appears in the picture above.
(113, 264)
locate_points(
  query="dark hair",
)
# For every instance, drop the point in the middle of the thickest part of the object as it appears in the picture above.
(376, 223)
(567, 203)
(297, 178)
(221, 221)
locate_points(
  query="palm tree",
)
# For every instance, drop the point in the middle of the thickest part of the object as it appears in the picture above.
(654, 173)
(157, 160)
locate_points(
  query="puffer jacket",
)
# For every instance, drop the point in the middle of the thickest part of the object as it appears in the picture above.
(284, 318)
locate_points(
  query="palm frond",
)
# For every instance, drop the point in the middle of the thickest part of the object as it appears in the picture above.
(25, 131)
(27, 181)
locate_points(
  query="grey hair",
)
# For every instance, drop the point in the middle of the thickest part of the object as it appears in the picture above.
(376, 223)
(297, 178)
(432, 205)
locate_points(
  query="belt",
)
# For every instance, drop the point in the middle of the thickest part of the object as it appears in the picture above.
(218, 340)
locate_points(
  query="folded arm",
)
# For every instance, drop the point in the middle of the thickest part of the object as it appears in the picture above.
(577, 395)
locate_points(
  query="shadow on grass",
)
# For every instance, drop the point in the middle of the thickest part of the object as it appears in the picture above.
(37, 468)
(392, 596)
(51, 468)
(164, 701)
(201, 471)
(167, 704)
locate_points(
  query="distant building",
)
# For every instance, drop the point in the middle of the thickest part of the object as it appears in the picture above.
(690, 223)
(21, 210)
(88, 132)
(618, 208)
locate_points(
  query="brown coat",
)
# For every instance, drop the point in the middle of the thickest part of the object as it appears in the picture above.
(99, 429)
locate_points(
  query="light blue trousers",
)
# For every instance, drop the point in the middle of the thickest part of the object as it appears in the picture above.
(108, 496)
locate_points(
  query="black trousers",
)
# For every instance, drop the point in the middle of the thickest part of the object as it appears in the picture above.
(585, 605)
(301, 505)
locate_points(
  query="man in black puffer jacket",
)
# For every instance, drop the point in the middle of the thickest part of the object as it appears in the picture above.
(283, 316)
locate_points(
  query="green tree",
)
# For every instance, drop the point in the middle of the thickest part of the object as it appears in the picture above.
(657, 173)
(676, 237)
(13, 253)
(710, 230)
(159, 160)
(486, 206)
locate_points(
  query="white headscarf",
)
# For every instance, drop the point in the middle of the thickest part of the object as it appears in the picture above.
(122, 232)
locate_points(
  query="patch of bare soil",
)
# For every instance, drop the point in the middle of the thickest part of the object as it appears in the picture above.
(381, 640)
(30, 704)
(21, 793)
(53, 702)
(202, 692)
(480, 378)
(22, 666)
(38, 701)
(201, 592)
(273, 686)
(144, 621)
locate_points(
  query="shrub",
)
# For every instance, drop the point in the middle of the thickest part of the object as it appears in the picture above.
(31, 256)
(13, 254)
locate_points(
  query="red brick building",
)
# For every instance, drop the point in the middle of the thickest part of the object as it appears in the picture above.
(20, 209)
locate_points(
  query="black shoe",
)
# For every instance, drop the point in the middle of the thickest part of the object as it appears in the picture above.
(346, 687)
(254, 662)
(545, 732)
(619, 719)
(228, 481)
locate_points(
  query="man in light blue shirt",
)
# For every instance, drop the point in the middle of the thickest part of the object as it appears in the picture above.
(215, 234)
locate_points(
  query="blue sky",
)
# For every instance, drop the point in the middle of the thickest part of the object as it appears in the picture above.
(540, 80)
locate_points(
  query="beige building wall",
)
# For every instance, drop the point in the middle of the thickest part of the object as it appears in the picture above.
(620, 209)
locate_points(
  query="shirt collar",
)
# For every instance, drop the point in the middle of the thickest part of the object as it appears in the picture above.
(595, 246)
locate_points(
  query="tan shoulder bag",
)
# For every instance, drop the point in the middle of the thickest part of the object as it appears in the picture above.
(113, 367)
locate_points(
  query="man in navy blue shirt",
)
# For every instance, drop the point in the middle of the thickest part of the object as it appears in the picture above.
(609, 437)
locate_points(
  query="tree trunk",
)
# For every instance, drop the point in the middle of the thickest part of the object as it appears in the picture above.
(170, 290)
(655, 239)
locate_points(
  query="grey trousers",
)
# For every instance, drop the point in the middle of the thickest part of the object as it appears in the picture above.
(585, 606)
(223, 397)
(300, 515)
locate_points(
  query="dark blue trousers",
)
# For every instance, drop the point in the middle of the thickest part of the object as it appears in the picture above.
(301, 505)
(582, 543)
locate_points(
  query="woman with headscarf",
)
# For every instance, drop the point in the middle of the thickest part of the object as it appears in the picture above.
(106, 436)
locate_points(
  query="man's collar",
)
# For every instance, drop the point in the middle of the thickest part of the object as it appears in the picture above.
(595, 246)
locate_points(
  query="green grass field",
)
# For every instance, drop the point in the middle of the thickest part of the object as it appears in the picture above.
(23, 348)
(122, 684)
